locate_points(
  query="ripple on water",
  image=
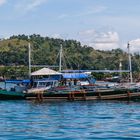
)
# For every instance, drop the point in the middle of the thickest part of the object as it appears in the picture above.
(69, 120)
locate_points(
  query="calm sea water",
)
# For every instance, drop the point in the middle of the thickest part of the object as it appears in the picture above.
(69, 120)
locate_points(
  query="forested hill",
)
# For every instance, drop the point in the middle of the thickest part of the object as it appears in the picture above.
(14, 52)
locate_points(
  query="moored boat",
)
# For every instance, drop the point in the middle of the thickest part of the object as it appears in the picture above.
(68, 88)
(78, 93)
(11, 95)
(72, 94)
(15, 91)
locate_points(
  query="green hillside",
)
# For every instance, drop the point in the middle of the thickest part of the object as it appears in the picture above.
(44, 51)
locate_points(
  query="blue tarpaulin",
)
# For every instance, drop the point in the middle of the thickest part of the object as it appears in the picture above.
(17, 81)
(74, 75)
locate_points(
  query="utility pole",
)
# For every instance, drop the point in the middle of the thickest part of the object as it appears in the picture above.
(130, 65)
(60, 59)
(29, 57)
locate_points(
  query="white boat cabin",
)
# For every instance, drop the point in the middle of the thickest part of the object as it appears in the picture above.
(42, 85)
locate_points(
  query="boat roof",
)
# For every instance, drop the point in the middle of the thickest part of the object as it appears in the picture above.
(73, 71)
(45, 71)
(44, 80)
(74, 75)
(14, 81)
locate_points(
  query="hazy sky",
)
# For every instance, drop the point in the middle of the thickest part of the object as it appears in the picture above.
(102, 24)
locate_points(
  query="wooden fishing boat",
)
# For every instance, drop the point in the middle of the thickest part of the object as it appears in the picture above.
(72, 94)
(52, 91)
(22, 88)
(16, 91)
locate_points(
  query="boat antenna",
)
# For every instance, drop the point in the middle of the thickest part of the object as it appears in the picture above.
(130, 65)
(60, 58)
(29, 57)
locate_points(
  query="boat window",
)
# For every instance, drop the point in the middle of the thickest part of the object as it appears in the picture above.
(41, 84)
(55, 83)
(35, 84)
(44, 83)
(48, 84)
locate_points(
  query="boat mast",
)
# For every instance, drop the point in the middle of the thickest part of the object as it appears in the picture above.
(130, 65)
(120, 68)
(60, 59)
(29, 57)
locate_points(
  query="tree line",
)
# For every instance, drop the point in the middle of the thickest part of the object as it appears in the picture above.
(45, 51)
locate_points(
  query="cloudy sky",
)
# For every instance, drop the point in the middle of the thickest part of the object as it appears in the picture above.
(102, 24)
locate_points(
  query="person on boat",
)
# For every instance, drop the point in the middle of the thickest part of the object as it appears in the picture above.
(70, 83)
(78, 83)
(31, 83)
(63, 82)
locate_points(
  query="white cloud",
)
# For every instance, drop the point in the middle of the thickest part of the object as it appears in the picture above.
(107, 37)
(86, 12)
(93, 10)
(99, 40)
(135, 42)
(2, 2)
(56, 36)
(29, 5)
(104, 46)
(135, 45)
(88, 32)
(103, 40)
(64, 36)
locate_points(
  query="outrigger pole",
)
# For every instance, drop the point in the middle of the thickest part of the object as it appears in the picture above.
(130, 64)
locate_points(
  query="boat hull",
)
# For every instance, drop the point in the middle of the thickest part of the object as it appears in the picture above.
(81, 95)
(108, 94)
(11, 95)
